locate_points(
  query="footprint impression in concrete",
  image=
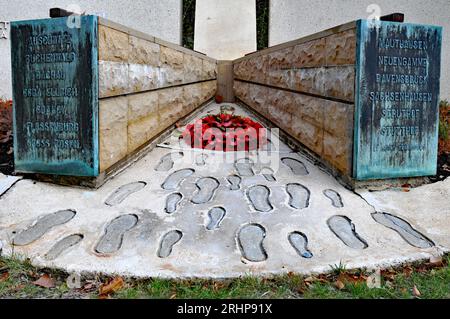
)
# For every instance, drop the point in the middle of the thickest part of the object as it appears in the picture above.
(63, 245)
(42, 226)
(298, 196)
(244, 167)
(258, 196)
(120, 194)
(267, 172)
(112, 239)
(207, 187)
(250, 240)
(297, 167)
(174, 180)
(167, 161)
(167, 242)
(235, 182)
(299, 241)
(215, 216)
(344, 229)
(404, 229)
(172, 202)
(335, 197)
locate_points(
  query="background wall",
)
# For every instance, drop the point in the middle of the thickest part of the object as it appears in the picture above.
(161, 19)
(225, 29)
(292, 19)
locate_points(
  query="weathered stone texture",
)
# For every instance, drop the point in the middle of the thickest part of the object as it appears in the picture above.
(113, 78)
(172, 58)
(339, 119)
(209, 89)
(142, 131)
(193, 68)
(339, 82)
(341, 48)
(309, 54)
(338, 151)
(113, 122)
(209, 70)
(113, 45)
(142, 105)
(144, 52)
(171, 106)
(307, 134)
(323, 67)
(192, 96)
(143, 77)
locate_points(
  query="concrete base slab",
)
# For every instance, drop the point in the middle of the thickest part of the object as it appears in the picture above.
(223, 234)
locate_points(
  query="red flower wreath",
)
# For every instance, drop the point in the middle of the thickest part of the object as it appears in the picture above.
(225, 132)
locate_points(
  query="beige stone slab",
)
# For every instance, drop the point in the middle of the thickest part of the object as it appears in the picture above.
(171, 106)
(142, 131)
(142, 105)
(338, 151)
(339, 82)
(113, 45)
(307, 133)
(341, 48)
(143, 77)
(113, 122)
(339, 119)
(315, 36)
(193, 69)
(171, 57)
(309, 54)
(209, 69)
(143, 52)
(310, 108)
(113, 78)
(192, 96)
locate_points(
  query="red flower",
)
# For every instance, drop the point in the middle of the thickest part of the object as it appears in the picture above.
(224, 132)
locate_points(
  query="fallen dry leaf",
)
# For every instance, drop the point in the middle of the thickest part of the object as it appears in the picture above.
(310, 279)
(113, 286)
(174, 296)
(4, 276)
(416, 291)
(339, 285)
(407, 271)
(436, 261)
(45, 281)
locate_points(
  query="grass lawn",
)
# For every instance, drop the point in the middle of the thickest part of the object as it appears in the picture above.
(419, 280)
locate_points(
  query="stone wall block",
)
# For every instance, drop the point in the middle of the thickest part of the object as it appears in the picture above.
(209, 70)
(113, 45)
(338, 151)
(341, 48)
(144, 52)
(308, 134)
(309, 54)
(142, 131)
(142, 105)
(339, 119)
(143, 77)
(193, 69)
(339, 82)
(113, 78)
(113, 122)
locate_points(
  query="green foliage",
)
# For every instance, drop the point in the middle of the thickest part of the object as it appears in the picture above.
(262, 23)
(432, 283)
(444, 120)
(188, 23)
